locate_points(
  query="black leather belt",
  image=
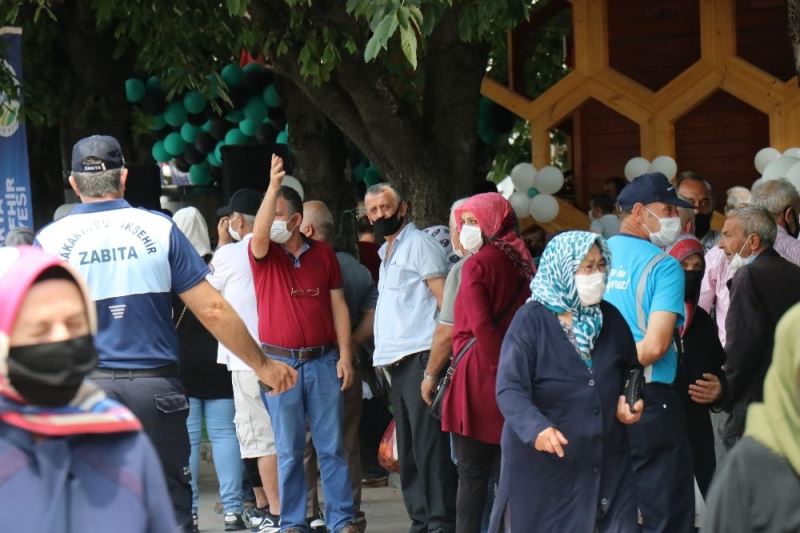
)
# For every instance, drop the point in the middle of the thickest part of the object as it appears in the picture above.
(169, 371)
(302, 354)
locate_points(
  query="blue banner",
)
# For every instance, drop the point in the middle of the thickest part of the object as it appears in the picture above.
(15, 182)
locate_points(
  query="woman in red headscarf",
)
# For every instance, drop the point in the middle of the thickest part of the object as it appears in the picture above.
(700, 378)
(494, 284)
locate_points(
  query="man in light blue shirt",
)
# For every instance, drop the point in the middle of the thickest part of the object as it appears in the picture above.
(647, 286)
(410, 286)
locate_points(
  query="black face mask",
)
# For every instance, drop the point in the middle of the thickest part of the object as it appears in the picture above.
(792, 229)
(702, 223)
(385, 227)
(692, 288)
(50, 374)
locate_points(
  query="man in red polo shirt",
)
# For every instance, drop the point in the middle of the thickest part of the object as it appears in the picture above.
(303, 320)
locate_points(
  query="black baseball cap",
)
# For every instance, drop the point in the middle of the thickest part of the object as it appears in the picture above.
(244, 201)
(96, 154)
(648, 189)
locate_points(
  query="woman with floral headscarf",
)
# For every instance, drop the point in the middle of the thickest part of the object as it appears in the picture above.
(71, 459)
(566, 463)
(494, 284)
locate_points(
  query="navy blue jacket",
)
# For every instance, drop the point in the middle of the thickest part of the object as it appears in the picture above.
(543, 382)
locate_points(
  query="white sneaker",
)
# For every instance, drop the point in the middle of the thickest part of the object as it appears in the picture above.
(269, 524)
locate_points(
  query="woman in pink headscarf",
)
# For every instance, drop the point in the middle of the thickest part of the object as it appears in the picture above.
(494, 284)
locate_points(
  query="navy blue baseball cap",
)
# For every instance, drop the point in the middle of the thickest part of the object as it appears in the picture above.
(244, 201)
(648, 189)
(96, 154)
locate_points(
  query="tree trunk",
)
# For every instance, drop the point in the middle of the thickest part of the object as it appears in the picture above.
(320, 162)
(793, 7)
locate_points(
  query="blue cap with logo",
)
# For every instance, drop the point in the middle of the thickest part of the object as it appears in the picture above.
(96, 154)
(648, 189)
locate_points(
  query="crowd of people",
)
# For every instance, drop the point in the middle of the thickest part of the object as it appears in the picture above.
(572, 382)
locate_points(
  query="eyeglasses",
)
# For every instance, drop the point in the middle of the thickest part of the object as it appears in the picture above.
(591, 269)
(305, 293)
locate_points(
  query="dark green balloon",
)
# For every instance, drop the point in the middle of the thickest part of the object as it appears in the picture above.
(189, 132)
(194, 102)
(255, 109)
(235, 136)
(175, 115)
(270, 96)
(232, 75)
(200, 174)
(160, 153)
(218, 150)
(237, 115)
(372, 176)
(134, 90)
(156, 122)
(213, 161)
(282, 138)
(249, 127)
(174, 144)
(153, 83)
(207, 126)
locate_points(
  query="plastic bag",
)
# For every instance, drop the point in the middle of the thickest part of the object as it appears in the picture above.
(387, 450)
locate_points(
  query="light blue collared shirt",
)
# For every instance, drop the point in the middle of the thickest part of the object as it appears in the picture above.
(405, 316)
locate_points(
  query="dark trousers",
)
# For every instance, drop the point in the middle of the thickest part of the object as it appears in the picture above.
(427, 475)
(662, 463)
(375, 417)
(478, 464)
(161, 406)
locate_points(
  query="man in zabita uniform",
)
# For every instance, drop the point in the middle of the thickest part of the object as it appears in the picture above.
(133, 260)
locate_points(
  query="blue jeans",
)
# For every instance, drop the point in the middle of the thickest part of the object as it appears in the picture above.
(218, 415)
(316, 397)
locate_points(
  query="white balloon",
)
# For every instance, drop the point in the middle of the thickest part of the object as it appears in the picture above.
(757, 183)
(522, 176)
(544, 208)
(793, 151)
(549, 180)
(635, 167)
(793, 175)
(664, 164)
(294, 183)
(779, 167)
(520, 203)
(764, 157)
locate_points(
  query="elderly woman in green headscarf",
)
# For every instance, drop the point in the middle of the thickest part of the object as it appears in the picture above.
(566, 464)
(757, 487)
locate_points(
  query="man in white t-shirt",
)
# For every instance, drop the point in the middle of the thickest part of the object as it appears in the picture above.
(232, 276)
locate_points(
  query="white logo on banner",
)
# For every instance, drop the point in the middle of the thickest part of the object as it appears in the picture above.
(9, 109)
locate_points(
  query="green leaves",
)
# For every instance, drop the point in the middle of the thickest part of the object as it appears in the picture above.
(385, 21)
(408, 42)
(380, 39)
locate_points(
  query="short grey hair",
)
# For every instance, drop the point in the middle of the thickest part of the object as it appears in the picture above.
(775, 196)
(380, 188)
(737, 197)
(458, 203)
(757, 221)
(250, 220)
(97, 184)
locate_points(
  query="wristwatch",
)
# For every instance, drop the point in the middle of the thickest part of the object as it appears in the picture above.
(429, 377)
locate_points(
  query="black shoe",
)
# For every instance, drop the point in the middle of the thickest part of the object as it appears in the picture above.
(269, 524)
(234, 522)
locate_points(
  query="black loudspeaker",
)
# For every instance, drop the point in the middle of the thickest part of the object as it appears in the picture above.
(245, 166)
(143, 188)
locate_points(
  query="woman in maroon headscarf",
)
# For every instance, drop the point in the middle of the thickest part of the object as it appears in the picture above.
(494, 284)
(700, 377)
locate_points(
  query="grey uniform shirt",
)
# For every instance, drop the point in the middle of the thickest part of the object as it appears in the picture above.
(451, 285)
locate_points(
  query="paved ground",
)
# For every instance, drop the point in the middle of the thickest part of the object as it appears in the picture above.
(383, 506)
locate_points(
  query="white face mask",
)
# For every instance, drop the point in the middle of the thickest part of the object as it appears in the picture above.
(590, 287)
(471, 238)
(279, 232)
(233, 233)
(737, 261)
(669, 232)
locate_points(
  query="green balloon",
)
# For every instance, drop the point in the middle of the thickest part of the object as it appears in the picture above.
(206, 127)
(156, 122)
(194, 102)
(237, 115)
(213, 161)
(235, 136)
(160, 153)
(249, 127)
(153, 83)
(199, 174)
(232, 75)
(372, 176)
(282, 138)
(174, 144)
(189, 132)
(175, 115)
(359, 171)
(270, 96)
(533, 192)
(252, 67)
(218, 150)
(255, 109)
(134, 90)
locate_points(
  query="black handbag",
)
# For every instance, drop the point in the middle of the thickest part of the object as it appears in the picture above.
(436, 405)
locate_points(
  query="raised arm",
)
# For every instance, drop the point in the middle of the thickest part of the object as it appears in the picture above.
(259, 244)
